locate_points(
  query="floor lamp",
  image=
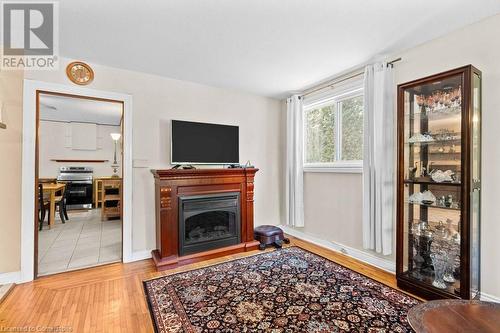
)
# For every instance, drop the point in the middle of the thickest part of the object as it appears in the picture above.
(115, 166)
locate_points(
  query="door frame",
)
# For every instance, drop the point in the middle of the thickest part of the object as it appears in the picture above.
(29, 163)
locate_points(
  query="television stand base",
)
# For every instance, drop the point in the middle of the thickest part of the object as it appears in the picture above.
(186, 167)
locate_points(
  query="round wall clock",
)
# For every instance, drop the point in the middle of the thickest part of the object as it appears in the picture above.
(79, 73)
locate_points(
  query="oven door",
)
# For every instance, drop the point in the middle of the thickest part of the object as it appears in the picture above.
(79, 194)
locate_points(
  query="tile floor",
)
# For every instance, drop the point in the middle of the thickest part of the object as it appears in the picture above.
(83, 241)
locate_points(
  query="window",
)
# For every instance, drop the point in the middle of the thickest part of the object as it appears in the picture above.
(333, 133)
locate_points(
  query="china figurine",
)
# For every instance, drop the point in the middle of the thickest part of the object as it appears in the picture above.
(415, 198)
(449, 200)
(428, 198)
(412, 172)
(442, 176)
(441, 201)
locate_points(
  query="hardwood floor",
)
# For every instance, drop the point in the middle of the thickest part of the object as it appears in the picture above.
(111, 299)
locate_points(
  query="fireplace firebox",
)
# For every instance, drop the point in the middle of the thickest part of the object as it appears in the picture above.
(208, 222)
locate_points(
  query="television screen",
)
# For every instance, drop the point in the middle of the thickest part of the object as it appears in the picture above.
(201, 143)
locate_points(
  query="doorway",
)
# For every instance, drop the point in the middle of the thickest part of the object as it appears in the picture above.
(111, 231)
(79, 181)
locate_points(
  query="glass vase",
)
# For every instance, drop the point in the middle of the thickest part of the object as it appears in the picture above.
(440, 262)
(450, 268)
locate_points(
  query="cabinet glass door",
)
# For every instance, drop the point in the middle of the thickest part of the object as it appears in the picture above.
(432, 183)
(475, 204)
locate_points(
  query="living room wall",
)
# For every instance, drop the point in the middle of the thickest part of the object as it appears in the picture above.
(11, 90)
(477, 44)
(340, 194)
(157, 100)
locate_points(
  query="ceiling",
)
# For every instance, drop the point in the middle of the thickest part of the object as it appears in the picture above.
(265, 47)
(72, 109)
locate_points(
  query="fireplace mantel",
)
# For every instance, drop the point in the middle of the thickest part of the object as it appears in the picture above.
(173, 183)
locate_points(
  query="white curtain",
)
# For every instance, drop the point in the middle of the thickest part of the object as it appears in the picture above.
(378, 159)
(294, 162)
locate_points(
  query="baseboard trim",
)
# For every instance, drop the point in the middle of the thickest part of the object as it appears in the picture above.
(5, 290)
(10, 277)
(384, 264)
(141, 255)
(489, 298)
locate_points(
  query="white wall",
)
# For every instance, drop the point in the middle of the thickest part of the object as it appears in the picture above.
(333, 211)
(156, 101)
(52, 145)
(333, 202)
(11, 90)
(478, 45)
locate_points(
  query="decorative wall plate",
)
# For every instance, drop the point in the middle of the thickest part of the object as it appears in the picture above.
(80, 73)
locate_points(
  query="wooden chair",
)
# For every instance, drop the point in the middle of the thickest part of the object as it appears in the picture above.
(43, 206)
(61, 205)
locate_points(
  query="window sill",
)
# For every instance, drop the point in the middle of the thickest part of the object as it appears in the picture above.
(334, 169)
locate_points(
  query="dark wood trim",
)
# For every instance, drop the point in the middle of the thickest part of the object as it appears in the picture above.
(47, 92)
(434, 77)
(173, 183)
(37, 162)
(455, 316)
(180, 174)
(81, 122)
(176, 261)
(465, 225)
(424, 290)
(405, 282)
(79, 161)
(400, 181)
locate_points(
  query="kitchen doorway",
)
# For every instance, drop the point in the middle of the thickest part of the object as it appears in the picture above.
(79, 182)
(29, 220)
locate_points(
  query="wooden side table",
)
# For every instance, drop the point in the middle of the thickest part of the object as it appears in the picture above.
(111, 198)
(455, 316)
(97, 192)
(98, 189)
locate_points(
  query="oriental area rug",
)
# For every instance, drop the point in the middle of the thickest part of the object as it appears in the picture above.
(288, 290)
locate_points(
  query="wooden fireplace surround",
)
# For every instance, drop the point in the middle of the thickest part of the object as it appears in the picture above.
(172, 183)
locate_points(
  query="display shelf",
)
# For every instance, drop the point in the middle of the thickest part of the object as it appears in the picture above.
(437, 243)
(439, 114)
(452, 289)
(430, 182)
(434, 205)
(435, 142)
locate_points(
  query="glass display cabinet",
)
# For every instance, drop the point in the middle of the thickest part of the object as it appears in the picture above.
(439, 183)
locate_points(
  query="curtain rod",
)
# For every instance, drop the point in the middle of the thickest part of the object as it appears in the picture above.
(341, 79)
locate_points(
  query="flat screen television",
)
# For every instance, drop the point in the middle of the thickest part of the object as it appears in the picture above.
(202, 143)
